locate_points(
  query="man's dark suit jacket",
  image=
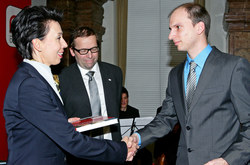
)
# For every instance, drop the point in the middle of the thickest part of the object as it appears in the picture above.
(37, 126)
(75, 96)
(76, 100)
(218, 124)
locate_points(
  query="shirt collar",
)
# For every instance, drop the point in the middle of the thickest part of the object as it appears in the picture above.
(38, 65)
(84, 71)
(200, 59)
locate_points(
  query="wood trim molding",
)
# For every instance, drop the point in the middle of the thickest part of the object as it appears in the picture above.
(237, 21)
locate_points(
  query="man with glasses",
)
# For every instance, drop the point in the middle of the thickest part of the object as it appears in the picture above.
(75, 81)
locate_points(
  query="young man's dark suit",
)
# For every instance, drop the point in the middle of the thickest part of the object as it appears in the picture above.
(218, 124)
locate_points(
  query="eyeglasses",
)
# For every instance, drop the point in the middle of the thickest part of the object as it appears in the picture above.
(85, 51)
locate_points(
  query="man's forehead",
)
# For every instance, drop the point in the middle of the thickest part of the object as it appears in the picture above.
(178, 12)
(178, 16)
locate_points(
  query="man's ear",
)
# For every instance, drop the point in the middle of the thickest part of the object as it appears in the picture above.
(200, 27)
(37, 44)
(72, 52)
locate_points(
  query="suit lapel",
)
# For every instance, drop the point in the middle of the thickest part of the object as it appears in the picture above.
(106, 81)
(205, 77)
(79, 85)
(178, 92)
(36, 74)
(78, 80)
(181, 87)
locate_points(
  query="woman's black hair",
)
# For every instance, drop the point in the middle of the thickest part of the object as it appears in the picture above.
(32, 23)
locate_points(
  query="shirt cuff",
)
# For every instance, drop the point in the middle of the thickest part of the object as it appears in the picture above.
(139, 136)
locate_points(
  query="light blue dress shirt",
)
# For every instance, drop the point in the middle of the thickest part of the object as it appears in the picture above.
(200, 60)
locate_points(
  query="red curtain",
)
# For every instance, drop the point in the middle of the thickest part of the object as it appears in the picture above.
(9, 60)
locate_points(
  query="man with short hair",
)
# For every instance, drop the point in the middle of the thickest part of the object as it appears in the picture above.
(208, 94)
(75, 81)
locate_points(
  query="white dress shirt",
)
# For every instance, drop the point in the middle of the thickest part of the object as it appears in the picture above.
(98, 79)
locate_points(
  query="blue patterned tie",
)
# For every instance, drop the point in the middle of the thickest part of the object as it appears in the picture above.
(191, 84)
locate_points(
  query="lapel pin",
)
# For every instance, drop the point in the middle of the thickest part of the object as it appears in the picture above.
(109, 79)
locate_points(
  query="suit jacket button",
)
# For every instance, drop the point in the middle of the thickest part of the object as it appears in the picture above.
(189, 150)
(188, 128)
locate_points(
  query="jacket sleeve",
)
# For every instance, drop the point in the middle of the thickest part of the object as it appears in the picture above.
(239, 152)
(162, 124)
(40, 106)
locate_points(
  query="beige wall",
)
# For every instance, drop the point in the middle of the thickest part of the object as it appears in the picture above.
(217, 35)
(38, 2)
(109, 37)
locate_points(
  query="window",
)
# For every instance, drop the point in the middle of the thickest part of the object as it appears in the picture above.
(150, 55)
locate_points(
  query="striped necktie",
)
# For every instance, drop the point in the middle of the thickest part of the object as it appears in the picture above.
(191, 84)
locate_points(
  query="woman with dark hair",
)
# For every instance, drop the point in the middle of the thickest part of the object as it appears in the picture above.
(127, 111)
(37, 127)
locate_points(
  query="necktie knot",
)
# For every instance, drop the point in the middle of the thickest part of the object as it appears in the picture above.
(193, 65)
(90, 74)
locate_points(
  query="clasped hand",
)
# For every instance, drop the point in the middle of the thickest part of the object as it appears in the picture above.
(131, 142)
(132, 146)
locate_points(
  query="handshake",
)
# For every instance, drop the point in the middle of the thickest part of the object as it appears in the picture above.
(132, 145)
(131, 142)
